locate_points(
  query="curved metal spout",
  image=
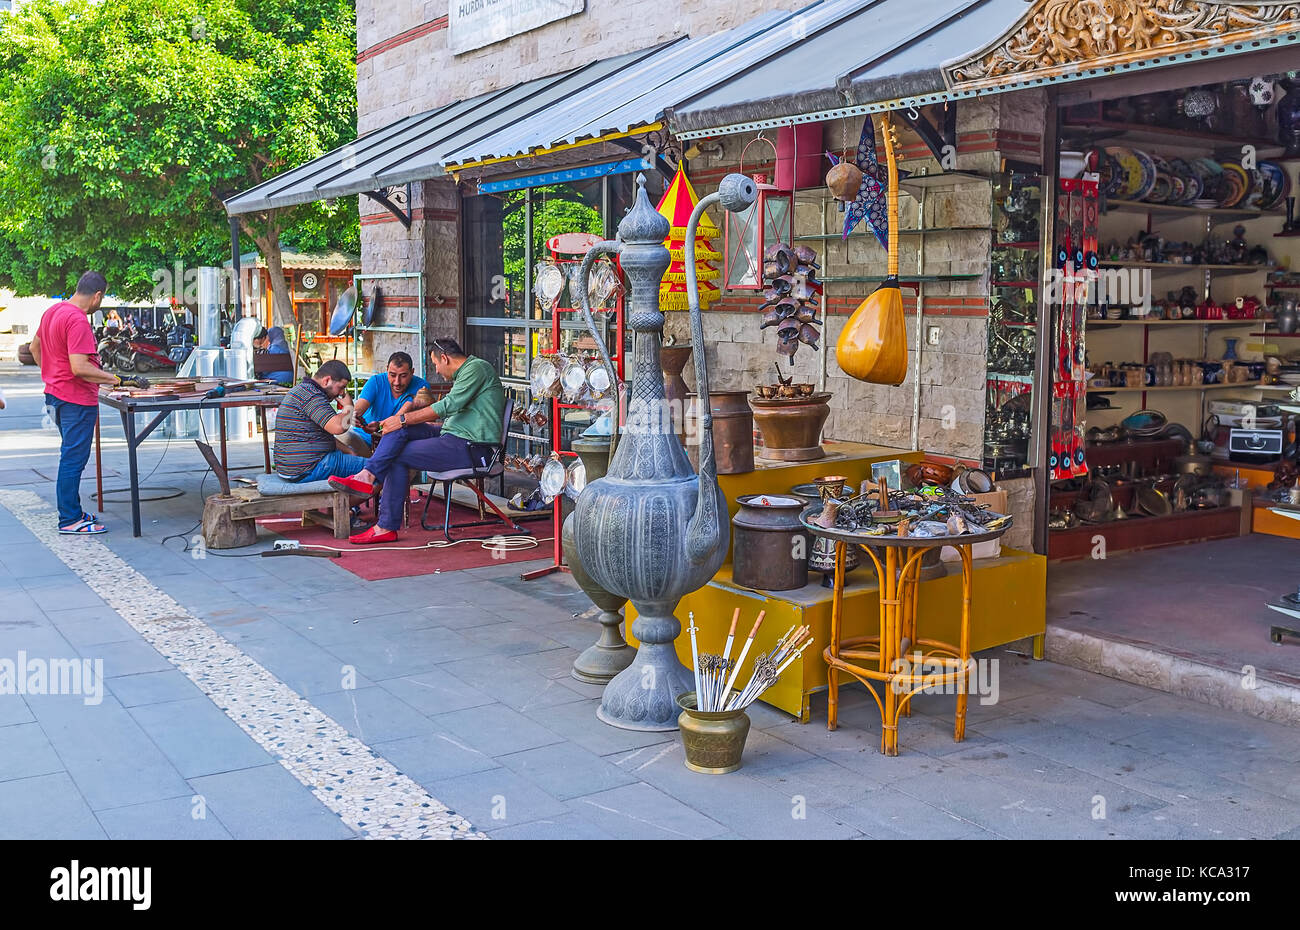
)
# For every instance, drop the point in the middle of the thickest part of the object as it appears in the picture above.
(610, 247)
(735, 193)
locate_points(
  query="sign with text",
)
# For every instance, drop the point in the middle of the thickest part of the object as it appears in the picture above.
(473, 24)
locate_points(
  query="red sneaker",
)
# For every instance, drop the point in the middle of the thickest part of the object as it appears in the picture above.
(372, 536)
(353, 486)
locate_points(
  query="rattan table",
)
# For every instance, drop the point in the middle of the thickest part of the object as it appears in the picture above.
(884, 657)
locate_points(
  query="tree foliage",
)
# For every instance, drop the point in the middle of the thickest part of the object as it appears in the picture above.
(127, 122)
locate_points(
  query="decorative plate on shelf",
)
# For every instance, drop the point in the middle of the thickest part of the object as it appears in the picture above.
(1276, 184)
(1237, 186)
(1148, 175)
(1128, 171)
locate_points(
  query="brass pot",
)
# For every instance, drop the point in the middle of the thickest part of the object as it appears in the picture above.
(769, 549)
(714, 742)
(1192, 465)
(792, 427)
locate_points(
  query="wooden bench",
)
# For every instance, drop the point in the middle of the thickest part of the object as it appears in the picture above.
(229, 520)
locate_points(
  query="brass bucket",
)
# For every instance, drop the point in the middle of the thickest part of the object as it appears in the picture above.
(714, 742)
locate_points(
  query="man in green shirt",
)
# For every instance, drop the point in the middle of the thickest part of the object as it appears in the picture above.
(470, 416)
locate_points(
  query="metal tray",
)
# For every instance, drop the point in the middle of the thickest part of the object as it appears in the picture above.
(909, 542)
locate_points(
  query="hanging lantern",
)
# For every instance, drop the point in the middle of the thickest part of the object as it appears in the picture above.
(748, 234)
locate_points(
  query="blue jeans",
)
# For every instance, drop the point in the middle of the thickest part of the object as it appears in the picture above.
(76, 424)
(421, 447)
(334, 464)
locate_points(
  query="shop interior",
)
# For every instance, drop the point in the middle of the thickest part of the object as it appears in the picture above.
(1174, 374)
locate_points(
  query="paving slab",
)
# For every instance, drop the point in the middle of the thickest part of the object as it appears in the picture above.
(372, 714)
(198, 738)
(496, 798)
(265, 803)
(565, 771)
(496, 730)
(434, 756)
(436, 692)
(24, 752)
(181, 818)
(47, 807)
(152, 688)
(643, 812)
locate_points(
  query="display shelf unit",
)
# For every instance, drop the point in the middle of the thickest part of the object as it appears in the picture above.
(1097, 129)
(1102, 323)
(1215, 214)
(904, 278)
(1243, 385)
(856, 234)
(360, 330)
(558, 406)
(1179, 266)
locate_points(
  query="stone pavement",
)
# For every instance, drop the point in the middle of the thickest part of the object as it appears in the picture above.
(246, 697)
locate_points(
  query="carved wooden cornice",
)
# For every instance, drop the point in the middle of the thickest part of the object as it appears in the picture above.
(1057, 37)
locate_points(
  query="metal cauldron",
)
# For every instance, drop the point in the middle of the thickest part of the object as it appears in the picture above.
(733, 430)
(769, 546)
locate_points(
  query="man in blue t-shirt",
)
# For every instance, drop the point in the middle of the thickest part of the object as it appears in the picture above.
(395, 391)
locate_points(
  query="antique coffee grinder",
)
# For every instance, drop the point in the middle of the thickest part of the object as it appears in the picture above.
(651, 530)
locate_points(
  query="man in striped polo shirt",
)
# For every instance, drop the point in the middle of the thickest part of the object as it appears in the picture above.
(307, 423)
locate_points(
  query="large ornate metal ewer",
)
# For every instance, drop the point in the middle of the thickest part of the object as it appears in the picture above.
(651, 530)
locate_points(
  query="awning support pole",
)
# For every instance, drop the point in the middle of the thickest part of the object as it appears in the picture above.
(234, 264)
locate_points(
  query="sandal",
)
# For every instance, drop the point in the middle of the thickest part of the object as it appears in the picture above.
(83, 528)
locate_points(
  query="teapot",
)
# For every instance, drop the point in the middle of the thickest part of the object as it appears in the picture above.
(651, 530)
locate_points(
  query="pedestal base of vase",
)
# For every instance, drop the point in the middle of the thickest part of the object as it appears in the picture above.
(604, 659)
(644, 695)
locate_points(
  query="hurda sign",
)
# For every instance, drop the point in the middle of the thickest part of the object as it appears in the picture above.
(473, 24)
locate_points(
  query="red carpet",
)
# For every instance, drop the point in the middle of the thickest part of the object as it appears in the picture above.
(396, 560)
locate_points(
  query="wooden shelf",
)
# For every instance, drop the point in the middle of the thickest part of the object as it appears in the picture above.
(1178, 266)
(1244, 385)
(903, 278)
(1160, 209)
(902, 232)
(1167, 135)
(1250, 322)
(1278, 335)
(1145, 532)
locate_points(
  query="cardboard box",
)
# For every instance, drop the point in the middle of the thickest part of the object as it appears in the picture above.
(997, 502)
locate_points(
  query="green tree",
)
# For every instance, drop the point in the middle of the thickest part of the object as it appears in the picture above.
(128, 122)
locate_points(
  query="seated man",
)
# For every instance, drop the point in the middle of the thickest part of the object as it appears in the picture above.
(398, 390)
(307, 423)
(470, 414)
(272, 340)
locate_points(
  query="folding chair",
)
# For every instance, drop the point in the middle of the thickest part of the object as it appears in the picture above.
(473, 477)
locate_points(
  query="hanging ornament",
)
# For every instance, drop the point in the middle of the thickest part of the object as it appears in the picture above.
(873, 343)
(676, 205)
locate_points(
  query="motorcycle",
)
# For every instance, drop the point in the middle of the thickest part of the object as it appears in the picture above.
(114, 349)
(148, 353)
(180, 343)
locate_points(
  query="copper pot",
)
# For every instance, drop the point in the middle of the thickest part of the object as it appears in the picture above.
(792, 427)
(672, 359)
(733, 431)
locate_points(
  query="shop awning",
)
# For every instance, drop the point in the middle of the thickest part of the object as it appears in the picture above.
(861, 52)
(892, 54)
(602, 100)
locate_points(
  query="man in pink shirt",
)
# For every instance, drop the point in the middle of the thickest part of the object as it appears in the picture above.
(65, 349)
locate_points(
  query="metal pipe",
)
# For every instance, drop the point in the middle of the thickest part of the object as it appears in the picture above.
(920, 303)
(234, 261)
(1041, 428)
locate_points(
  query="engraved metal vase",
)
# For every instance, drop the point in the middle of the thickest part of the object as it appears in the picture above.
(651, 530)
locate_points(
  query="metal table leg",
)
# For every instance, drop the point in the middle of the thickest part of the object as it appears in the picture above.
(223, 439)
(128, 427)
(133, 440)
(99, 468)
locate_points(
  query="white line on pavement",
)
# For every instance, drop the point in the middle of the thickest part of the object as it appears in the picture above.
(345, 774)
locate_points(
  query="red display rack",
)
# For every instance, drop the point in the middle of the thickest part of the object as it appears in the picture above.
(566, 250)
